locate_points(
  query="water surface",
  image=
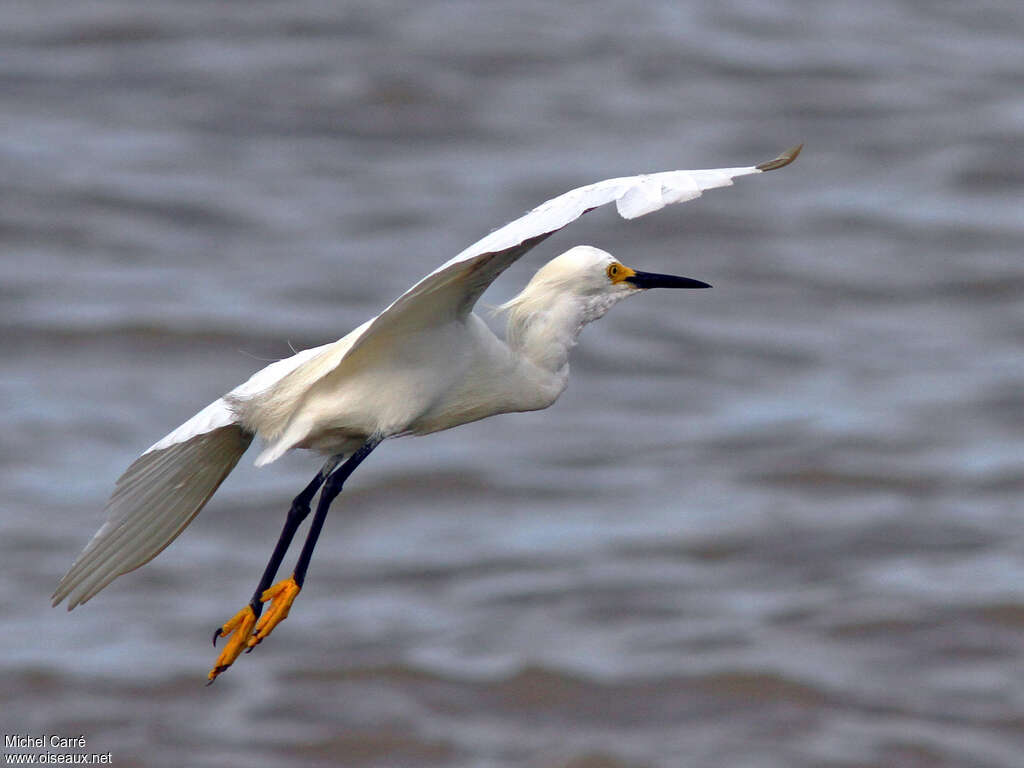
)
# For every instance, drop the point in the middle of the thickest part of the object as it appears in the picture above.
(773, 524)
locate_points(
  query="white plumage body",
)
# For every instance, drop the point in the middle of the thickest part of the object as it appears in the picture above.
(426, 363)
(414, 384)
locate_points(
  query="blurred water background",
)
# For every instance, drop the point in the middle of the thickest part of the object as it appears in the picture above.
(773, 524)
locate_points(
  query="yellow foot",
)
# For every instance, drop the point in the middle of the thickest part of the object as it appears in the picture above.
(281, 596)
(239, 627)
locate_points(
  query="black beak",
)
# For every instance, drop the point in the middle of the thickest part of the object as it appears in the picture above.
(653, 280)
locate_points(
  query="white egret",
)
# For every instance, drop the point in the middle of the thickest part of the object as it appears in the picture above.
(424, 364)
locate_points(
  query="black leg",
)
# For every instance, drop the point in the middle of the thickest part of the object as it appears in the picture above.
(331, 489)
(298, 512)
(247, 628)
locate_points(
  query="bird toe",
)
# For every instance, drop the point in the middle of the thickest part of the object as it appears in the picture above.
(238, 630)
(280, 596)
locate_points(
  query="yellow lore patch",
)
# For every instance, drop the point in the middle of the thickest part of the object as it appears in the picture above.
(617, 273)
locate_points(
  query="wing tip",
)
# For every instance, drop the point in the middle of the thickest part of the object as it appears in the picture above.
(72, 589)
(782, 160)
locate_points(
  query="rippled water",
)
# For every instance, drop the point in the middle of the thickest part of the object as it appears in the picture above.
(773, 524)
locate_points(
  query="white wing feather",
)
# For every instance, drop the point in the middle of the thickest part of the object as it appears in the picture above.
(455, 286)
(468, 275)
(166, 487)
(153, 501)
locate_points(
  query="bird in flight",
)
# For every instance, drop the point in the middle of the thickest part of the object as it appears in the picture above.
(424, 364)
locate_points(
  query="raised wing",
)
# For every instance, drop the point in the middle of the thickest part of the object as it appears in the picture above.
(452, 289)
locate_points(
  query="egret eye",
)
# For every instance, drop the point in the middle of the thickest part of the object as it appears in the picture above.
(617, 272)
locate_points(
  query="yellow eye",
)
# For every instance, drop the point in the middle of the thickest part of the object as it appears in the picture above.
(613, 270)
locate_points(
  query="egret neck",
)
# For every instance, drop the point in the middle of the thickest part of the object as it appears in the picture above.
(543, 326)
(567, 293)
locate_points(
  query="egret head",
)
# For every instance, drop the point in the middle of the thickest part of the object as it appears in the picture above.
(588, 271)
(580, 286)
(594, 278)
